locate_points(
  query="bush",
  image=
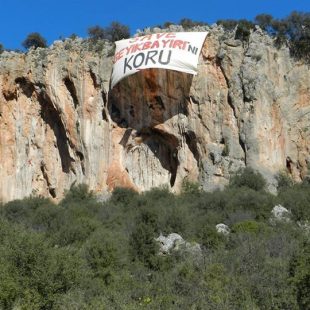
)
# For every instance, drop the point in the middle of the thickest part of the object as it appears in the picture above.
(300, 273)
(228, 24)
(249, 178)
(77, 194)
(297, 200)
(243, 30)
(24, 211)
(123, 196)
(100, 253)
(143, 244)
(82, 254)
(284, 181)
(187, 23)
(97, 33)
(252, 227)
(116, 31)
(264, 21)
(35, 40)
(210, 238)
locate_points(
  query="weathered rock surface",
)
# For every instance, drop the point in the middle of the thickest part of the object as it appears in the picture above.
(249, 105)
(174, 243)
(280, 214)
(222, 229)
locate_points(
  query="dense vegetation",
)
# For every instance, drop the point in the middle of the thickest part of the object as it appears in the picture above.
(86, 254)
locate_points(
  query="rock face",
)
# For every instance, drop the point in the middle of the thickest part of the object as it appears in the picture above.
(280, 214)
(60, 125)
(174, 243)
(222, 229)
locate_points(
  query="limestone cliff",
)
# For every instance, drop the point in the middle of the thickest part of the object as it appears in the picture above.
(249, 105)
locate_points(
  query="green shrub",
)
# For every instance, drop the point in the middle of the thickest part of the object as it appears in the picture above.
(116, 31)
(142, 243)
(249, 178)
(300, 276)
(74, 230)
(35, 40)
(24, 211)
(100, 253)
(228, 24)
(210, 238)
(77, 194)
(297, 200)
(187, 23)
(259, 204)
(123, 196)
(97, 33)
(82, 254)
(243, 30)
(284, 181)
(252, 227)
(264, 21)
(189, 187)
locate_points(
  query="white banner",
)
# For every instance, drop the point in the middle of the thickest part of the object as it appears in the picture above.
(176, 51)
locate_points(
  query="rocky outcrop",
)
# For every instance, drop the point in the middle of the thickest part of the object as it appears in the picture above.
(249, 105)
(280, 214)
(175, 243)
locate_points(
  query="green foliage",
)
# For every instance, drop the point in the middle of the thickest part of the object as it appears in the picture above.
(187, 23)
(116, 31)
(243, 30)
(190, 188)
(284, 181)
(142, 243)
(300, 273)
(122, 196)
(247, 177)
(167, 24)
(228, 24)
(34, 40)
(293, 30)
(210, 238)
(264, 21)
(242, 27)
(97, 33)
(1, 48)
(84, 254)
(252, 227)
(297, 199)
(77, 194)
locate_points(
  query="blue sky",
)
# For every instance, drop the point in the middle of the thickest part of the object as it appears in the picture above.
(55, 18)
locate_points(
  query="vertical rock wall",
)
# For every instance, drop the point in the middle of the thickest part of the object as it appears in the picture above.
(249, 105)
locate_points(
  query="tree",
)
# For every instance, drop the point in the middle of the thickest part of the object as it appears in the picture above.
(228, 24)
(244, 30)
(187, 23)
(264, 21)
(117, 31)
(249, 178)
(1, 48)
(35, 40)
(97, 33)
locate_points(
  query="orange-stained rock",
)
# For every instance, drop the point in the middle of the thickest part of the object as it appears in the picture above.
(249, 105)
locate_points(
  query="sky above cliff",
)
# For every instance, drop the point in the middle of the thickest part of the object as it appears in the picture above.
(54, 19)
